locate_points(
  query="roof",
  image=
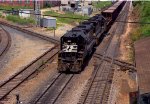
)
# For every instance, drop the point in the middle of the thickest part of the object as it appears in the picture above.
(142, 57)
(74, 33)
(112, 8)
(108, 11)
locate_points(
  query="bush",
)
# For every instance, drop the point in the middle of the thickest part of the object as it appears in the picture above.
(144, 29)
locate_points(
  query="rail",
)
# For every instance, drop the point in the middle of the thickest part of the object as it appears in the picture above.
(15, 80)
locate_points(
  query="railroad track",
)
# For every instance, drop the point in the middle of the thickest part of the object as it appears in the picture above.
(14, 81)
(97, 90)
(117, 62)
(51, 92)
(50, 39)
(89, 93)
(5, 41)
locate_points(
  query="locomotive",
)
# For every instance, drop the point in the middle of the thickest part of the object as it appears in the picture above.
(78, 43)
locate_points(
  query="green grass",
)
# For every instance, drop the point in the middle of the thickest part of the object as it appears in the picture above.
(0, 14)
(15, 7)
(19, 20)
(101, 4)
(67, 14)
(144, 29)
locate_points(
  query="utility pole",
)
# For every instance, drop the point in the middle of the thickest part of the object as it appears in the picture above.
(37, 12)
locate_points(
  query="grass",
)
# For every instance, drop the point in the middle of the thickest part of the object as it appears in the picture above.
(101, 4)
(0, 15)
(144, 29)
(67, 14)
(19, 20)
(6, 7)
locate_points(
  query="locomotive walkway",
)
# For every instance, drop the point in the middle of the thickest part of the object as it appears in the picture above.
(142, 57)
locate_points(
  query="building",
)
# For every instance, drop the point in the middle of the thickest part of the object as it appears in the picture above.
(29, 3)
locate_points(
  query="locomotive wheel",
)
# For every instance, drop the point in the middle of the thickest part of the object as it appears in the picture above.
(75, 69)
(61, 67)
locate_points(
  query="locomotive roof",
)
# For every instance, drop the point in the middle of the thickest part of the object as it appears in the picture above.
(86, 27)
(86, 22)
(97, 16)
(74, 33)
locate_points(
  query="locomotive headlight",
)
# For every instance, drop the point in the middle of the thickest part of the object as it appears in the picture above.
(69, 41)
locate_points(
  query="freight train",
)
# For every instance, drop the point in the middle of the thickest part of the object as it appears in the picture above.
(78, 43)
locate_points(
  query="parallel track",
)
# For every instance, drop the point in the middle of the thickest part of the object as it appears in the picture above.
(53, 89)
(5, 41)
(14, 81)
(50, 39)
(98, 88)
(117, 62)
(90, 89)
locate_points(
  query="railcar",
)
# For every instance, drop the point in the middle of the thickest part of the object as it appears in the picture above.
(112, 12)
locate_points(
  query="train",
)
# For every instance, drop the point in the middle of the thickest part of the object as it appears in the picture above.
(78, 43)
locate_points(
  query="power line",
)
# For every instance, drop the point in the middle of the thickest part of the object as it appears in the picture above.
(134, 22)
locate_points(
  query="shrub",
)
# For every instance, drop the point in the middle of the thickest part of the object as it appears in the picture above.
(144, 29)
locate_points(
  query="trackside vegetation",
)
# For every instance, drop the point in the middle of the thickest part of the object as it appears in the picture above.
(19, 20)
(143, 30)
(6, 7)
(15, 18)
(66, 14)
(101, 4)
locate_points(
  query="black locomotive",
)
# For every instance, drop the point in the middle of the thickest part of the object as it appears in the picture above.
(79, 42)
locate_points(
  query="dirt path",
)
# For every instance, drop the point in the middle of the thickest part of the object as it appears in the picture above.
(23, 50)
(126, 80)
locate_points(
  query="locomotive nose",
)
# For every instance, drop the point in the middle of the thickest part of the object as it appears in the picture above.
(68, 66)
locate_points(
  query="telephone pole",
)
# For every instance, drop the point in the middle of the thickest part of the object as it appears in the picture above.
(37, 12)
